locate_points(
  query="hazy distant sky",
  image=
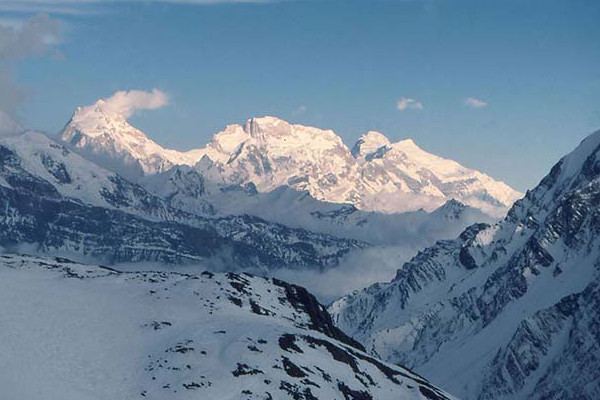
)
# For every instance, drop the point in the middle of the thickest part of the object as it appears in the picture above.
(503, 86)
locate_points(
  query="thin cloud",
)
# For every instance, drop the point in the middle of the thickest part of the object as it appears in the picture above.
(407, 103)
(14, 23)
(299, 111)
(33, 37)
(127, 103)
(54, 7)
(79, 7)
(8, 126)
(475, 103)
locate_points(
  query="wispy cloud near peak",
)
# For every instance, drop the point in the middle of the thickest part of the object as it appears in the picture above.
(127, 103)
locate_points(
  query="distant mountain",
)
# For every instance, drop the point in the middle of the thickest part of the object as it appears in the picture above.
(54, 201)
(270, 153)
(184, 188)
(74, 331)
(509, 311)
(104, 136)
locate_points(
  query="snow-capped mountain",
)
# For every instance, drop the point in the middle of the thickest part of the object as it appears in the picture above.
(184, 188)
(77, 209)
(76, 332)
(506, 311)
(269, 153)
(103, 135)
(397, 176)
(53, 200)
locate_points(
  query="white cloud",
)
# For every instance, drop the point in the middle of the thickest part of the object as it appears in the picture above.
(128, 102)
(406, 103)
(15, 23)
(475, 103)
(54, 7)
(76, 7)
(33, 37)
(8, 126)
(299, 111)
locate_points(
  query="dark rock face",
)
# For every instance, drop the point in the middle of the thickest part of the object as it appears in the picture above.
(517, 300)
(466, 259)
(57, 169)
(320, 320)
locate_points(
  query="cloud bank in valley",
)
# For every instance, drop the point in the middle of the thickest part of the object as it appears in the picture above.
(127, 103)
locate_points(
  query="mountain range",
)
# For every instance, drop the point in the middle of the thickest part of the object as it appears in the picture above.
(488, 308)
(91, 182)
(376, 175)
(54, 201)
(504, 311)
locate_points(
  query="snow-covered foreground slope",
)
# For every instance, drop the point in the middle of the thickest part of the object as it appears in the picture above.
(54, 201)
(506, 311)
(80, 332)
(376, 175)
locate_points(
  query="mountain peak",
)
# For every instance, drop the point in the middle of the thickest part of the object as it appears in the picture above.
(369, 143)
(578, 168)
(104, 135)
(376, 175)
(573, 162)
(268, 128)
(97, 120)
(451, 209)
(376, 137)
(258, 127)
(228, 140)
(266, 120)
(410, 148)
(407, 143)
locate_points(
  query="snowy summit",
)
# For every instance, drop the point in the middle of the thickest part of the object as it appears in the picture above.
(376, 175)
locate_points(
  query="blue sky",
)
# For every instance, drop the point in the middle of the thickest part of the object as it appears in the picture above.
(343, 65)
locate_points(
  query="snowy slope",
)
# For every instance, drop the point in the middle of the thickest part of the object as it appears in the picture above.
(268, 152)
(75, 177)
(53, 200)
(80, 332)
(397, 173)
(505, 311)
